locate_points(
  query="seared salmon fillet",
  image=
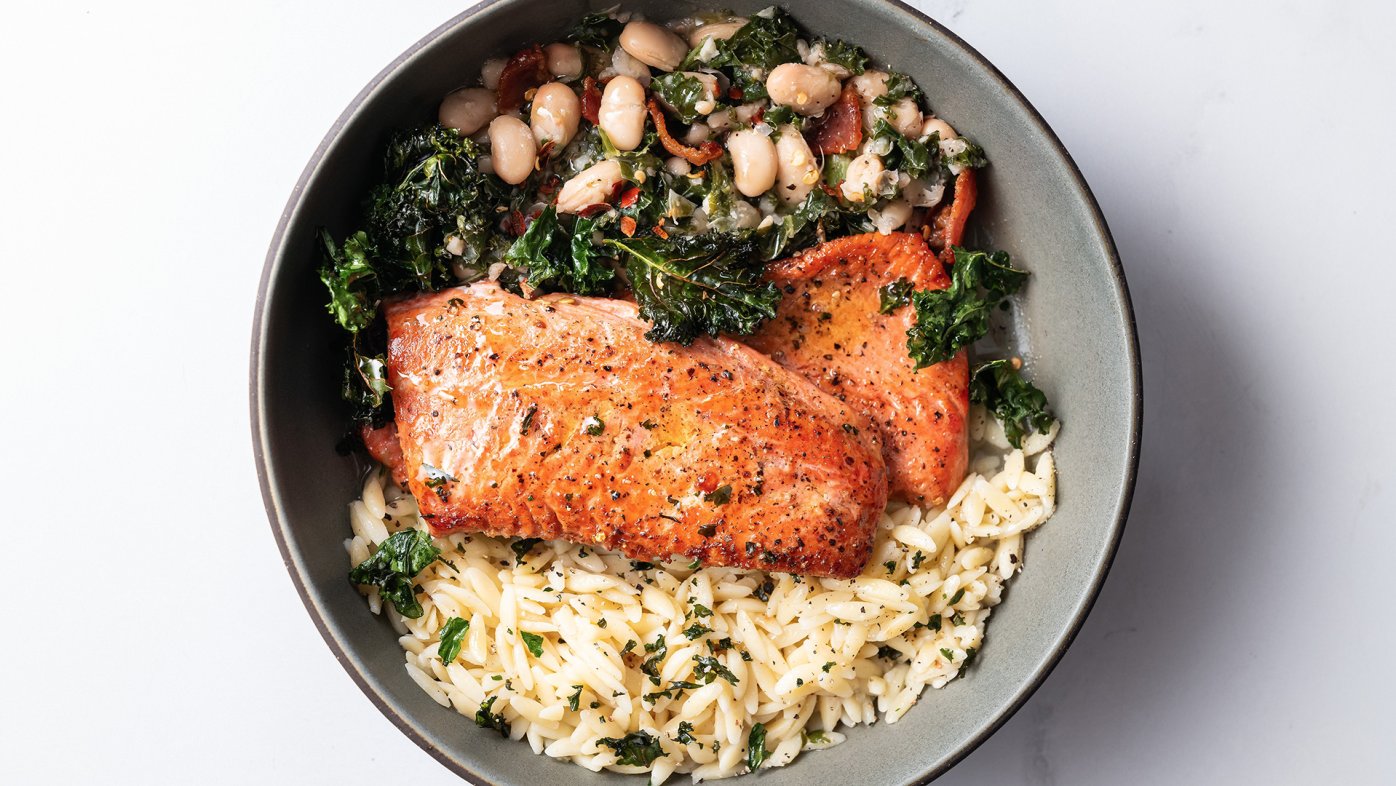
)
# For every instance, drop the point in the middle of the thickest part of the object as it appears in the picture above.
(829, 329)
(555, 418)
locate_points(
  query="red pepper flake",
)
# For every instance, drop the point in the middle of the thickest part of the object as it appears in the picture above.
(734, 93)
(697, 156)
(591, 101)
(627, 226)
(593, 210)
(708, 483)
(630, 196)
(516, 223)
(525, 71)
(660, 231)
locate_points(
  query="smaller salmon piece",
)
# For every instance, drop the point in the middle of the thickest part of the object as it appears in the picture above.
(828, 328)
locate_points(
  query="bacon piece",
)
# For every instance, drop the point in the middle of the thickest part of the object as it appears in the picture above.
(948, 227)
(697, 156)
(591, 101)
(526, 70)
(841, 130)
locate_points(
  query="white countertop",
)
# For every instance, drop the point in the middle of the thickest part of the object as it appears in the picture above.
(1242, 154)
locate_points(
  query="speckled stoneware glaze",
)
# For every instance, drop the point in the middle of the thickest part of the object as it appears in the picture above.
(1075, 328)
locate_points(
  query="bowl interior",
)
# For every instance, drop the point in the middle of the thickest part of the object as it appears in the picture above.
(1075, 328)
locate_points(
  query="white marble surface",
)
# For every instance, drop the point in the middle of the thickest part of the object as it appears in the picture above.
(1241, 152)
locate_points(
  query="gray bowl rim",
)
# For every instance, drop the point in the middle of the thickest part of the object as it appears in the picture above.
(1136, 403)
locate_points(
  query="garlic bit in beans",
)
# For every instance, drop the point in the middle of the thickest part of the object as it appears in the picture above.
(512, 149)
(555, 115)
(809, 90)
(653, 45)
(753, 161)
(622, 114)
(467, 110)
(592, 186)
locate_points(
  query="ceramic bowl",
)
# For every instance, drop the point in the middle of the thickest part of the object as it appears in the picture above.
(1075, 330)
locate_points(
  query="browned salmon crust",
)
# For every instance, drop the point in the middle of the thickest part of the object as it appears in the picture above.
(556, 418)
(829, 329)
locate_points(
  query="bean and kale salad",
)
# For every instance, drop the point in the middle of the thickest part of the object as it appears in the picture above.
(671, 163)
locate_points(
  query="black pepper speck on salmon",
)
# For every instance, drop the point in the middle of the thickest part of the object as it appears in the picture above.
(555, 418)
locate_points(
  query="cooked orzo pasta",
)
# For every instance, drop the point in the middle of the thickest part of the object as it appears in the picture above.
(673, 668)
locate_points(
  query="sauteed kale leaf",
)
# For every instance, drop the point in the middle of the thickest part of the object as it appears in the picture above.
(434, 207)
(394, 565)
(1019, 406)
(758, 46)
(559, 261)
(430, 217)
(949, 319)
(598, 30)
(697, 284)
(681, 93)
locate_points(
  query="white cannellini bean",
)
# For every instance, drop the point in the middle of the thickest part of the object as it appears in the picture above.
(753, 161)
(808, 90)
(622, 64)
(490, 71)
(564, 60)
(935, 125)
(720, 120)
(893, 215)
(746, 112)
(622, 113)
(796, 169)
(591, 186)
(555, 115)
(467, 110)
(717, 31)
(653, 45)
(870, 86)
(696, 133)
(512, 149)
(864, 174)
(905, 116)
(678, 167)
